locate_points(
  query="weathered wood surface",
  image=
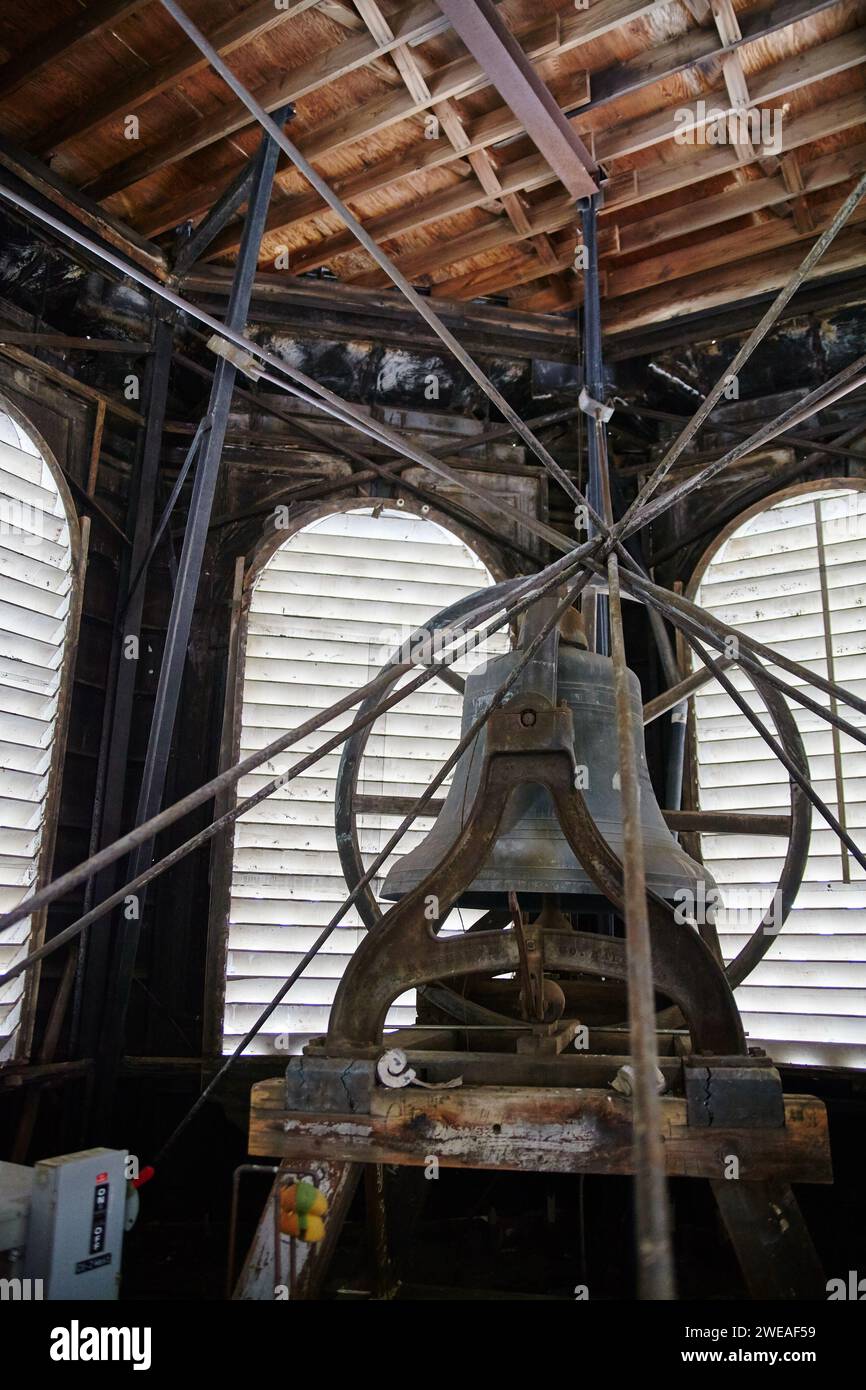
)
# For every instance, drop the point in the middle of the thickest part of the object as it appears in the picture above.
(772, 1241)
(558, 1130)
(259, 1277)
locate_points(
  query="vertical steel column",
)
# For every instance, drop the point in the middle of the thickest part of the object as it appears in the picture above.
(94, 949)
(593, 382)
(180, 620)
(594, 385)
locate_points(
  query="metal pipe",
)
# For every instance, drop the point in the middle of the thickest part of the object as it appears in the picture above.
(594, 386)
(652, 1210)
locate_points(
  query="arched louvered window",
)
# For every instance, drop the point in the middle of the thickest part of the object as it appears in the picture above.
(325, 612)
(36, 591)
(793, 574)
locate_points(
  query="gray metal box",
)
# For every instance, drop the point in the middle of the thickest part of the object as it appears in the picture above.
(75, 1235)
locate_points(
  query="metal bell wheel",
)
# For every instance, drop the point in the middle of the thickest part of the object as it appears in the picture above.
(531, 855)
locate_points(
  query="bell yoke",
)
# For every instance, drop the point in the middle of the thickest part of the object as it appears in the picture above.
(534, 811)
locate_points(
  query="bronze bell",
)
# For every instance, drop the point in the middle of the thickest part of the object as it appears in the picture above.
(531, 856)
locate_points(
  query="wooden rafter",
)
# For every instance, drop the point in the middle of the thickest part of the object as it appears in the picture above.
(519, 225)
(500, 125)
(558, 35)
(134, 90)
(48, 47)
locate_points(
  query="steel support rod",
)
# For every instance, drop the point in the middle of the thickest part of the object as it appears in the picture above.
(677, 604)
(262, 354)
(112, 761)
(652, 1209)
(733, 506)
(180, 619)
(690, 631)
(329, 403)
(594, 386)
(849, 379)
(720, 634)
(321, 398)
(800, 443)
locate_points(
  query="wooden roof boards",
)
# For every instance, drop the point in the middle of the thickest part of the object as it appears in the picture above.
(406, 126)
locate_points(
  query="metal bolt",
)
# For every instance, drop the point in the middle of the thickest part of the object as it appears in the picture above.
(527, 718)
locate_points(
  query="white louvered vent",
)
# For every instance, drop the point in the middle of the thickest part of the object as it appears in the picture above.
(794, 576)
(35, 591)
(326, 612)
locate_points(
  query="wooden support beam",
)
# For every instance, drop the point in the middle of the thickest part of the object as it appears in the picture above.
(803, 219)
(405, 61)
(62, 342)
(70, 383)
(535, 1129)
(816, 64)
(327, 309)
(81, 209)
(762, 275)
(654, 181)
(520, 176)
(739, 202)
(698, 9)
(260, 1274)
(414, 79)
(46, 48)
(485, 172)
(502, 276)
(650, 182)
(517, 214)
(500, 124)
(558, 212)
(717, 251)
